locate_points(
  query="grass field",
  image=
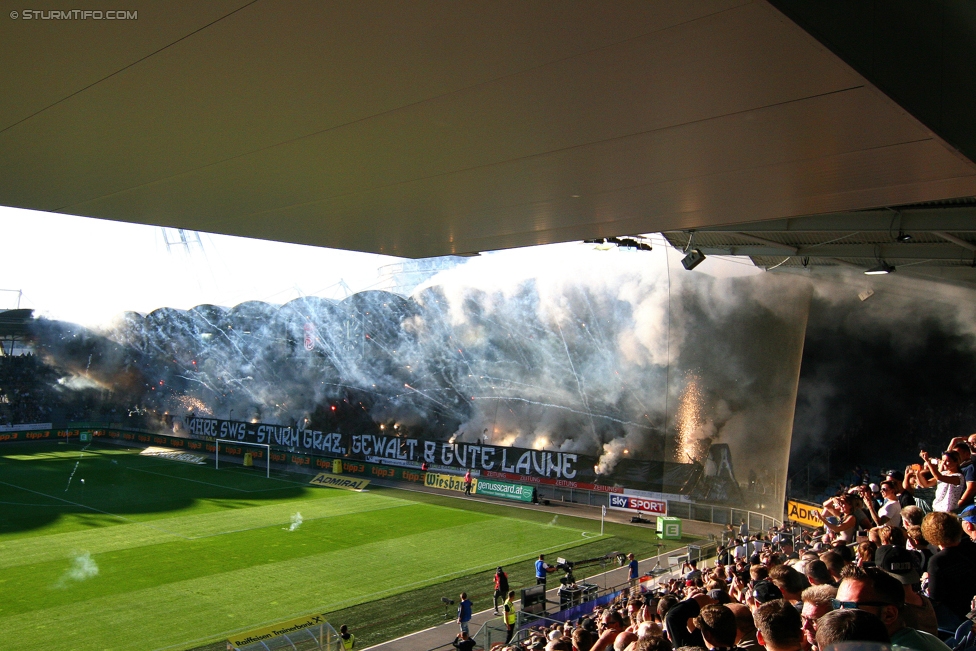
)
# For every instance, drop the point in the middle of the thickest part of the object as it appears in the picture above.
(148, 553)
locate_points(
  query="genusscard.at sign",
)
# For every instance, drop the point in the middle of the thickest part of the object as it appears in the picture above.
(378, 448)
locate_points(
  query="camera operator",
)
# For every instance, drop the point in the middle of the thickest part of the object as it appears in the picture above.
(542, 569)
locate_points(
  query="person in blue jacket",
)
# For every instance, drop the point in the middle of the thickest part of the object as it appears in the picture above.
(464, 613)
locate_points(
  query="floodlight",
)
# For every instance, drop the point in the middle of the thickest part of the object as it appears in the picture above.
(693, 259)
(881, 269)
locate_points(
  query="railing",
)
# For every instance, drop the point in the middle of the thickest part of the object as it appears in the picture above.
(494, 630)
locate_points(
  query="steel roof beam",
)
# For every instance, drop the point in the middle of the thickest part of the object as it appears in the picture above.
(955, 220)
(955, 240)
(894, 251)
(760, 240)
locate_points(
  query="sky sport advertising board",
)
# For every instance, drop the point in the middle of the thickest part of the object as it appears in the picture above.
(634, 503)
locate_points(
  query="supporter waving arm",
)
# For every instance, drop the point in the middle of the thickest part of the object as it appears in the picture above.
(933, 464)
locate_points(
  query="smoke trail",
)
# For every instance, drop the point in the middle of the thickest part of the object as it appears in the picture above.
(296, 521)
(81, 455)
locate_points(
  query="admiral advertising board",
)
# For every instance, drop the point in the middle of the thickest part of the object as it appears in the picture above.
(626, 502)
(329, 480)
(804, 513)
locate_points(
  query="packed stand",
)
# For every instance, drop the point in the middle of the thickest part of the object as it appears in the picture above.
(881, 569)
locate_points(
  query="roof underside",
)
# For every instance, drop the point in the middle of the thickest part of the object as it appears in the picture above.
(917, 237)
(433, 128)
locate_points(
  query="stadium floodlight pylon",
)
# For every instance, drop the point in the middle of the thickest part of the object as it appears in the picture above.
(266, 447)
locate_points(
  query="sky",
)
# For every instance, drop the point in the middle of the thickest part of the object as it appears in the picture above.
(89, 271)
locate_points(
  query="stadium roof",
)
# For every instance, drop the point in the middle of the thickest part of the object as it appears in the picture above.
(935, 240)
(436, 128)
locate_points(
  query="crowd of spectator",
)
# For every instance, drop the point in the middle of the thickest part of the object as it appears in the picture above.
(882, 569)
(31, 391)
(25, 390)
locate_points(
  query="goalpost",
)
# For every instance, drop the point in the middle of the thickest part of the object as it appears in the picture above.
(267, 453)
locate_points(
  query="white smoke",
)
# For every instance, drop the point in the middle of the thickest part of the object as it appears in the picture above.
(558, 348)
(296, 521)
(83, 567)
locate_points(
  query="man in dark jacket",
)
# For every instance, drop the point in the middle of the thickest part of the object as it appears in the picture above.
(501, 588)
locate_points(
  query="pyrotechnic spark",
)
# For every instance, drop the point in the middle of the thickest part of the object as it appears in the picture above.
(564, 408)
(197, 406)
(688, 420)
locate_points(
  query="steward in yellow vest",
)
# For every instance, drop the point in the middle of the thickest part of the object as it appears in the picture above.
(508, 614)
(348, 639)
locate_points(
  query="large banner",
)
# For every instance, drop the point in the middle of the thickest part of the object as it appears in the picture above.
(26, 427)
(804, 513)
(394, 450)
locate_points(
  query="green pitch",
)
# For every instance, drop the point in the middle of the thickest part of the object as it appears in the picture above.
(106, 549)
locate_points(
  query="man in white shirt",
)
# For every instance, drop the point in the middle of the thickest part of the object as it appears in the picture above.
(740, 550)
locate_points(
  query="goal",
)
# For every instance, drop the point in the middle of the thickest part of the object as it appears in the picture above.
(267, 453)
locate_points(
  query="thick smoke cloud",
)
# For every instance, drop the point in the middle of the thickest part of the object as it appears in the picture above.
(611, 354)
(885, 376)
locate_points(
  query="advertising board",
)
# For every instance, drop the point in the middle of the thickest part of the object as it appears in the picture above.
(335, 481)
(627, 502)
(448, 482)
(804, 513)
(503, 489)
(270, 632)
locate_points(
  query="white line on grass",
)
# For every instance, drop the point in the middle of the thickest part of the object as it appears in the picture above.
(92, 508)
